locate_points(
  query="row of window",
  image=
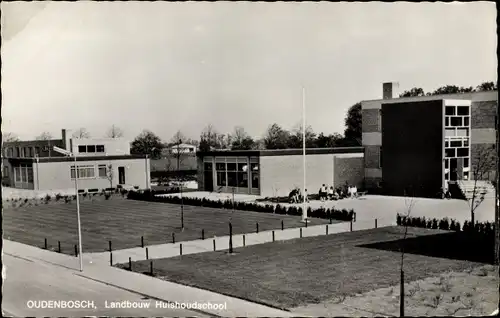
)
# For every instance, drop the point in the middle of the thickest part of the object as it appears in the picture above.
(90, 148)
(24, 152)
(88, 171)
(234, 174)
(23, 173)
(457, 143)
(457, 110)
(456, 132)
(456, 121)
(456, 152)
(465, 162)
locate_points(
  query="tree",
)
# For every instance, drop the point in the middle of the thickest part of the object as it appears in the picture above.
(211, 139)
(44, 136)
(448, 89)
(414, 92)
(114, 132)
(487, 86)
(276, 137)
(147, 143)
(295, 139)
(241, 140)
(109, 174)
(330, 141)
(9, 137)
(484, 162)
(81, 133)
(178, 136)
(353, 125)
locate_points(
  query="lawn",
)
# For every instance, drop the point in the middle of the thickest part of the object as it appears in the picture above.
(125, 221)
(288, 274)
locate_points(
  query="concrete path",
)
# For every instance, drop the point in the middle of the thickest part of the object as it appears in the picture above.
(222, 243)
(136, 283)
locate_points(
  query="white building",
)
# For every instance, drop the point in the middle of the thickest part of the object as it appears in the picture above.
(182, 148)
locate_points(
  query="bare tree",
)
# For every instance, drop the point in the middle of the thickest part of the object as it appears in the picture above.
(81, 133)
(44, 136)
(9, 137)
(178, 136)
(110, 174)
(114, 132)
(484, 162)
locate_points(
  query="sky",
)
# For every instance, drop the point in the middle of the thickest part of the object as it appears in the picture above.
(169, 66)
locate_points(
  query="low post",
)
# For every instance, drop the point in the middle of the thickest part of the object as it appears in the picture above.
(110, 246)
(180, 249)
(76, 250)
(350, 227)
(230, 238)
(330, 220)
(173, 238)
(327, 229)
(307, 221)
(214, 245)
(273, 236)
(244, 243)
(402, 293)
(282, 225)
(45, 243)
(142, 241)
(376, 225)
(59, 246)
(203, 234)
(147, 253)
(130, 263)
(151, 268)
(300, 232)
(111, 258)
(257, 227)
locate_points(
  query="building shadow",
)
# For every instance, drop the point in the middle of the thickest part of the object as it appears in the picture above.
(462, 246)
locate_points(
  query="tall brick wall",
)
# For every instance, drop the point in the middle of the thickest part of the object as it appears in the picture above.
(483, 117)
(483, 114)
(350, 170)
(370, 118)
(372, 157)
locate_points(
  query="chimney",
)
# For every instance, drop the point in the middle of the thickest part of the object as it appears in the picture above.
(66, 139)
(389, 90)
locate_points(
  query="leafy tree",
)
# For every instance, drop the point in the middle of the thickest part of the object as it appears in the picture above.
(81, 133)
(147, 143)
(414, 92)
(9, 137)
(241, 140)
(448, 89)
(210, 139)
(178, 136)
(353, 130)
(295, 139)
(487, 86)
(44, 136)
(114, 132)
(276, 137)
(330, 141)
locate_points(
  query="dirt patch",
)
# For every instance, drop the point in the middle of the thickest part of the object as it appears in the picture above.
(473, 292)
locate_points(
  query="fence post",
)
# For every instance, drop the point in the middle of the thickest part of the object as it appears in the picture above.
(350, 226)
(214, 245)
(203, 234)
(110, 246)
(130, 263)
(273, 236)
(244, 243)
(147, 253)
(257, 227)
(45, 243)
(282, 225)
(142, 241)
(376, 225)
(330, 220)
(173, 238)
(230, 238)
(151, 268)
(327, 229)
(76, 250)
(59, 246)
(307, 221)
(180, 249)
(300, 232)
(110, 258)
(402, 295)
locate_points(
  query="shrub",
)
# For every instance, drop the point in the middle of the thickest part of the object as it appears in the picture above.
(107, 196)
(58, 196)
(47, 198)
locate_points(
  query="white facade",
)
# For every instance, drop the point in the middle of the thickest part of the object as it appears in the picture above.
(99, 147)
(182, 148)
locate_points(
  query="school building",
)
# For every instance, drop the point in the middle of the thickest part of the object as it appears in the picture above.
(100, 164)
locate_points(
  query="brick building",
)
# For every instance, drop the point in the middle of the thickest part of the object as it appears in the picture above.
(272, 173)
(426, 143)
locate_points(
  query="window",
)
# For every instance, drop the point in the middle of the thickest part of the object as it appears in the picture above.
(456, 143)
(446, 163)
(450, 132)
(450, 110)
(23, 173)
(242, 175)
(5, 172)
(102, 171)
(99, 148)
(220, 166)
(37, 151)
(232, 180)
(91, 149)
(379, 122)
(380, 158)
(18, 152)
(463, 132)
(446, 144)
(10, 152)
(447, 121)
(82, 149)
(462, 110)
(466, 162)
(221, 174)
(207, 166)
(456, 121)
(466, 121)
(462, 152)
(466, 175)
(466, 142)
(255, 175)
(84, 172)
(450, 153)
(21, 152)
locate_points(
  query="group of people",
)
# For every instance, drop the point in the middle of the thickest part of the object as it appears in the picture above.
(325, 193)
(295, 196)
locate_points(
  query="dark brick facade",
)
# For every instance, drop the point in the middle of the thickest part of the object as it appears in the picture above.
(372, 154)
(486, 159)
(370, 118)
(483, 114)
(350, 170)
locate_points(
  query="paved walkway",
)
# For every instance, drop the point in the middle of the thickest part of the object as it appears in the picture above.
(142, 284)
(222, 243)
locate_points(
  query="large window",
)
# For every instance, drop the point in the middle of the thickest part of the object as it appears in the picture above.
(207, 166)
(242, 175)
(23, 173)
(221, 174)
(255, 175)
(90, 148)
(232, 180)
(103, 171)
(84, 172)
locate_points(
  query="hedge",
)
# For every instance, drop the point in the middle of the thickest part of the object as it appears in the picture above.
(485, 228)
(151, 196)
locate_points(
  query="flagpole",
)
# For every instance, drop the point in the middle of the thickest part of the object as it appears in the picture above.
(304, 206)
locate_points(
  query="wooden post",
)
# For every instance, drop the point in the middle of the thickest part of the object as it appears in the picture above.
(300, 232)
(111, 258)
(244, 243)
(327, 229)
(230, 238)
(350, 226)
(142, 241)
(173, 238)
(402, 298)
(151, 268)
(147, 253)
(214, 245)
(307, 222)
(130, 263)
(45, 244)
(110, 246)
(180, 249)
(257, 227)
(273, 236)
(59, 246)
(203, 234)
(376, 225)
(76, 250)
(282, 225)
(330, 220)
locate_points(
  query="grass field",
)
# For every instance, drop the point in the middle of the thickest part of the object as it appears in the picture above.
(125, 221)
(288, 274)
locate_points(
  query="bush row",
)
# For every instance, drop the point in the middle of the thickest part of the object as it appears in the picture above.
(151, 196)
(446, 224)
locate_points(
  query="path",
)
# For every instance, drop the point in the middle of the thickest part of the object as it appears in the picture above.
(69, 283)
(222, 243)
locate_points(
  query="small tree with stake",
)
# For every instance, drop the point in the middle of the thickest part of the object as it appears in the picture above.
(109, 174)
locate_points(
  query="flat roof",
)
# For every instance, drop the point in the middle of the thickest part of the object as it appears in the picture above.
(82, 158)
(475, 96)
(281, 152)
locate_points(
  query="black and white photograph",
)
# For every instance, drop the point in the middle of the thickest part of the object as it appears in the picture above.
(249, 159)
